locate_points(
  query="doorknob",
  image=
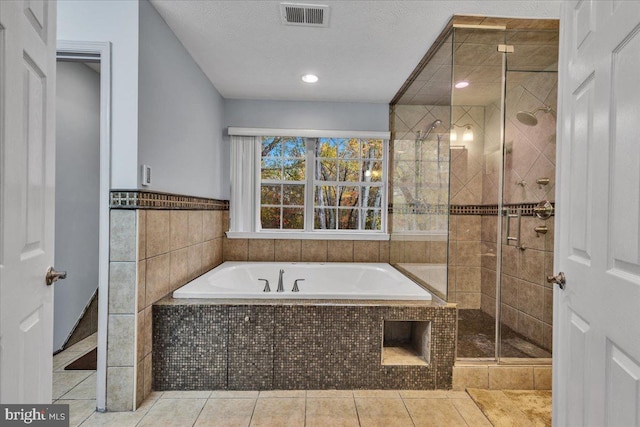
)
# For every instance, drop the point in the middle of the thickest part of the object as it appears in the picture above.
(53, 276)
(558, 279)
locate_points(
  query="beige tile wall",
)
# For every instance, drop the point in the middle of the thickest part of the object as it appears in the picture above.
(291, 250)
(153, 252)
(465, 258)
(122, 310)
(467, 165)
(502, 377)
(175, 247)
(526, 297)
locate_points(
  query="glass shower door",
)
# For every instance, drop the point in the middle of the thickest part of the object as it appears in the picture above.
(526, 244)
(476, 162)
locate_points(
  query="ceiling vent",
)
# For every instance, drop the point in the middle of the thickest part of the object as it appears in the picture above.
(308, 15)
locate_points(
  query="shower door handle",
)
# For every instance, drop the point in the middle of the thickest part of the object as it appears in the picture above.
(516, 239)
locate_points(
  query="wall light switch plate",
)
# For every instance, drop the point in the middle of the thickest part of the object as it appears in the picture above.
(146, 175)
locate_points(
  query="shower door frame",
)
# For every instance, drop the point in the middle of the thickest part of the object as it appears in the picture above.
(502, 212)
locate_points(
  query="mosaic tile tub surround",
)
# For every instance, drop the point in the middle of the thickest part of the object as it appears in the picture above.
(240, 345)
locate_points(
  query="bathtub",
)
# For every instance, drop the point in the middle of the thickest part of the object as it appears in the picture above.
(366, 281)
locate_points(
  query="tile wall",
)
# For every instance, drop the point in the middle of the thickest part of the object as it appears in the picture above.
(467, 157)
(465, 261)
(300, 345)
(152, 253)
(501, 377)
(464, 170)
(419, 169)
(526, 298)
(292, 250)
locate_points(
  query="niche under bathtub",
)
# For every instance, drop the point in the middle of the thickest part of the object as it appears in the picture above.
(406, 342)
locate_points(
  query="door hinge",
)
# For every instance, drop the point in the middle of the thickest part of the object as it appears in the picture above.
(505, 48)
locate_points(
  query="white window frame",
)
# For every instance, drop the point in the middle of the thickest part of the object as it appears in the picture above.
(240, 205)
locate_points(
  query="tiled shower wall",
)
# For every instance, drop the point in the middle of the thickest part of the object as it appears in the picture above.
(526, 298)
(419, 169)
(466, 164)
(467, 186)
(464, 261)
(152, 253)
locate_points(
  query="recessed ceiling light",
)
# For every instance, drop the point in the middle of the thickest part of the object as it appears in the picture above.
(461, 84)
(309, 78)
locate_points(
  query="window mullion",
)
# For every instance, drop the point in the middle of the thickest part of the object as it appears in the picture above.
(309, 186)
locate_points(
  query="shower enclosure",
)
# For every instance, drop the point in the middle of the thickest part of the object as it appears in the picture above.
(473, 161)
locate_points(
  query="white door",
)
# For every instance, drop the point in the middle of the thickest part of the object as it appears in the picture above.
(596, 349)
(27, 97)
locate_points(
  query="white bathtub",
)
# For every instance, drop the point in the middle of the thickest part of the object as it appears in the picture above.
(321, 281)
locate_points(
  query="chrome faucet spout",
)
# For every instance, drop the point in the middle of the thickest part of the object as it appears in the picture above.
(280, 284)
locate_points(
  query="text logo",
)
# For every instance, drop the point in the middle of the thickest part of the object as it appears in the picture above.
(34, 415)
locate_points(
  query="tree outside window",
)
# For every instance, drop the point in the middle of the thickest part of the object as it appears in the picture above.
(344, 175)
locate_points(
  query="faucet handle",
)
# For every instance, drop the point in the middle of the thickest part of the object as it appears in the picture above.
(295, 285)
(266, 286)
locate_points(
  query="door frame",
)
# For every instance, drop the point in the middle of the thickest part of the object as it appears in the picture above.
(99, 51)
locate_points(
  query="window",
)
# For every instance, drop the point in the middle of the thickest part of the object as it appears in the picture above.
(282, 183)
(348, 184)
(313, 185)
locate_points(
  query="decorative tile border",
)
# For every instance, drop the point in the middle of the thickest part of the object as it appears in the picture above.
(136, 199)
(473, 210)
(527, 209)
(406, 208)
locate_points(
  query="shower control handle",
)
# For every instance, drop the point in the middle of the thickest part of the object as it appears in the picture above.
(559, 279)
(544, 209)
(295, 285)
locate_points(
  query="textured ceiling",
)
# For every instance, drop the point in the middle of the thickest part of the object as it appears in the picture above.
(365, 55)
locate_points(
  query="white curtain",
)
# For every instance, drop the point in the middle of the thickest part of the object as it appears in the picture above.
(245, 185)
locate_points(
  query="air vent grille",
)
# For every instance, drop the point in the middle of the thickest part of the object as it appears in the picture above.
(311, 15)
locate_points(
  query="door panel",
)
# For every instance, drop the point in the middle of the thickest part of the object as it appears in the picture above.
(623, 388)
(596, 330)
(581, 152)
(578, 339)
(37, 13)
(624, 209)
(34, 119)
(27, 93)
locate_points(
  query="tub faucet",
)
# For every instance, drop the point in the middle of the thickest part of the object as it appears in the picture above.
(280, 285)
(295, 285)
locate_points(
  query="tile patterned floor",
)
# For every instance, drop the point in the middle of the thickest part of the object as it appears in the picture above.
(323, 408)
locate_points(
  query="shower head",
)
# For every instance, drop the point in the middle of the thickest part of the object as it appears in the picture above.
(435, 123)
(427, 131)
(529, 118)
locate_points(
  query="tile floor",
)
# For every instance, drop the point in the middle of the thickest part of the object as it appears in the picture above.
(266, 408)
